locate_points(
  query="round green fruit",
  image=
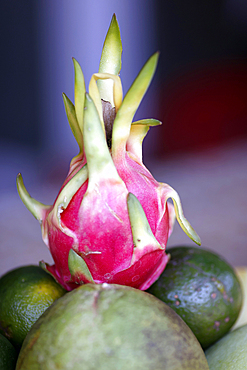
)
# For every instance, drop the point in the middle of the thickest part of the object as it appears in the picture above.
(203, 289)
(8, 355)
(110, 327)
(25, 293)
(229, 352)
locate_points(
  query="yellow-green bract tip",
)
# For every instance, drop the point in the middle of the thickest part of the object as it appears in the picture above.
(130, 104)
(36, 208)
(80, 91)
(110, 61)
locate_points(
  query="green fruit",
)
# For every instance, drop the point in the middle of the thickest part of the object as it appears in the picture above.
(25, 293)
(204, 291)
(230, 352)
(8, 354)
(110, 327)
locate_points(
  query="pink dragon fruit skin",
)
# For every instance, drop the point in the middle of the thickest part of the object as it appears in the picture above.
(111, 220)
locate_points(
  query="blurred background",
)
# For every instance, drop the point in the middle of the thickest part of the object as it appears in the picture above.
(199, 93)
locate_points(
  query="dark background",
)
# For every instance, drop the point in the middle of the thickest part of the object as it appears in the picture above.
(203, 99)
(200, 89)
(19, 83)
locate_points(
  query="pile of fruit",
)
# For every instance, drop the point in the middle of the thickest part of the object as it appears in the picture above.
(182, 321)
(116, 297)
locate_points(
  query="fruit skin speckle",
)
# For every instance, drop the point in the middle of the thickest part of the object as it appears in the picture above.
(216, 325)
(203, 289)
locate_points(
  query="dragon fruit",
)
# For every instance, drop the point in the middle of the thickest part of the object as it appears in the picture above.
(111, 220)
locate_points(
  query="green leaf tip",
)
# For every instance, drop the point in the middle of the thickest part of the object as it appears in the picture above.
(80, 91)
(130, 104)
(37, 209)
(183, 222)
(75, 112)
(72, 119)
(78, 268)
(141, 230)
(147, 122)
(111, 59)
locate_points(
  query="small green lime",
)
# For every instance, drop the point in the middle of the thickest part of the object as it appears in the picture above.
(25, 293)
(8, 355)
(203, 289)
